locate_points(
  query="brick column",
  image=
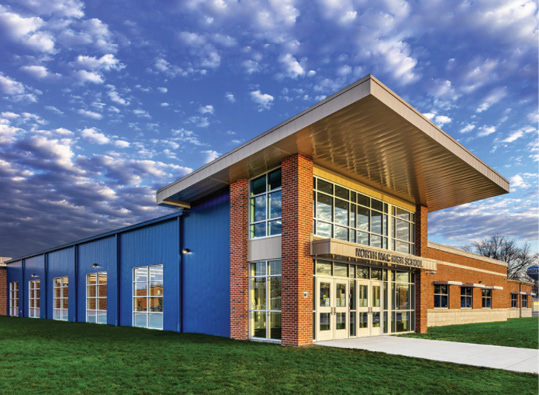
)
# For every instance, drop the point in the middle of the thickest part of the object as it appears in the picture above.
(3, 291)
(454, 297)
(239, 267)
(423, 284)
(297, 264)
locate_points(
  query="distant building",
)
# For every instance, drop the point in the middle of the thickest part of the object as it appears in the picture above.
(313, 230)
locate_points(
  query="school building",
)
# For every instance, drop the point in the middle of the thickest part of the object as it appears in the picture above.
(313, 230)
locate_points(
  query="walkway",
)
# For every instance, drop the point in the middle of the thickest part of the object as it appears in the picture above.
(497, 357)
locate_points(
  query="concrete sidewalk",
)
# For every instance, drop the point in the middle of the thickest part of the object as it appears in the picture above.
(508, 358)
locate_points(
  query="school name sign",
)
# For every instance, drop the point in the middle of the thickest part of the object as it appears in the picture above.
(335, 248)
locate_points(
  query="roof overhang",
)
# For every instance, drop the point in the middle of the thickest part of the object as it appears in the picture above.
(367, 133)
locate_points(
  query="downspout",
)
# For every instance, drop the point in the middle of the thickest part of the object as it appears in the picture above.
(46, 282)
(23, 290)
(76, 288)
(520, 306)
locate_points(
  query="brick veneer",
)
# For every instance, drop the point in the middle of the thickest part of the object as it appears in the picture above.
(239, 267)
(297, 263)
(422, 278)
(3, 291)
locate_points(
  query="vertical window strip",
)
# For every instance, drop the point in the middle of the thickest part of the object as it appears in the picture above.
(96, 298)
(265, 300)
(34, 298)
(441, 296)
(265, 205)
(466, 297)
(148, 297)
(61, 298)
(14, 299)
(487, 298)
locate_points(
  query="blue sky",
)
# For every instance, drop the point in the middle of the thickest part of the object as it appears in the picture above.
(104, 102)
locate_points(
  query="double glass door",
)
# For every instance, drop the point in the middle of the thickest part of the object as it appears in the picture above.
(347, 308)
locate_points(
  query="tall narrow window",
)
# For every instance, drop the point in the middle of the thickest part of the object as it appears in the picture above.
(514, 301)
(466, 296)
(441, 296)
(96, 298)
(265, 205)
(34, 298)
(61, 293)
(525, 301)
(487, 298)
(148, 297)
(265, 300)
(14, 299)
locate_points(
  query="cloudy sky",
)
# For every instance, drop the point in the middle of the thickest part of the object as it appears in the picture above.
(104, 102)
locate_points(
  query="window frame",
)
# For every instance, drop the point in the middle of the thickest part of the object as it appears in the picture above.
(148, 296)
(524, 301)
(98, 312)
(372, 208)
(34, 311)
(486, 298)
(60, 313)
(268, 311)
(267, 192)
(464, 297)
(441, 294)
(14, 299)
(514, 301)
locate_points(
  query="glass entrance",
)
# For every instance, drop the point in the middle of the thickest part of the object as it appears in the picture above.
(332, 308)
(369, 308)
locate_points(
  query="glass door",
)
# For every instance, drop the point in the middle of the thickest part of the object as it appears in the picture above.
(369, 307)
(324, 308)
(340, 310)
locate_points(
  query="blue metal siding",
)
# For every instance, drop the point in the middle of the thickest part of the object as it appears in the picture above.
(35, 265)
(103, 252)
(14, 273)
(152, 245)
(206, 271)
(62, 263)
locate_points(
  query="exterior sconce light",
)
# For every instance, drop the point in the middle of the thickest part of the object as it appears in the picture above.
(186, 251)
(431, 272)
(95, 265)
(480, 282)
(34, 275)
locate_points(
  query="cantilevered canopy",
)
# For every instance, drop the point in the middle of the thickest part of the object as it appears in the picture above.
(367, 133)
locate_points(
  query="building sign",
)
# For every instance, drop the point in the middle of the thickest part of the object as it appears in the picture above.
(388, 257)
(338, 248)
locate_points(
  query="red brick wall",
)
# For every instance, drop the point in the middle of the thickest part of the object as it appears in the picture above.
(297, 264)
(3, 291)
(239, 267)
(422, 278)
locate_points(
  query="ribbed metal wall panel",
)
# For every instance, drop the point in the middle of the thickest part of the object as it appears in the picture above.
(60, 264)
(36, 266)
(206, 271)
(152, 245)
(102, 252)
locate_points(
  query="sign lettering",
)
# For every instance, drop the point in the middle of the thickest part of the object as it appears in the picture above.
(388, 257)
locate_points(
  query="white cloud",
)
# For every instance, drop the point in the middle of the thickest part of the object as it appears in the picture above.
(292, 66)
(9, 115)
(94, 136)
(263, 100)
(210, 155)
(54, 110)
(513, 136)
(115, 96)
(121, 143)
(106, 62)
(442, 120)
(467, 128)
(90, 114)
(16, 90)
(88, 76)
(486, 130)
(26, 31)
(230, 97)
(492, 98)
(63, 8)
(39, 72)
(139, 112)
(162, 89)
(518, 182)
(207, 109)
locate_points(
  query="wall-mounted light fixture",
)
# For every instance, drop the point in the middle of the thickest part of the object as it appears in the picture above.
(95, 265)
(34, 275)
(431, 272)
(186, 251)
(480, 282)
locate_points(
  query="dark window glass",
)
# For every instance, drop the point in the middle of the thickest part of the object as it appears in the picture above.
(258, 185)
(274, 179)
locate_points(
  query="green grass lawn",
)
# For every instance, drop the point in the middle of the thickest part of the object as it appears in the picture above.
(518, 332)
(43, 356)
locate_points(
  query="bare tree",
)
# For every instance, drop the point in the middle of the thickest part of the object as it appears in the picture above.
(501, 248)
